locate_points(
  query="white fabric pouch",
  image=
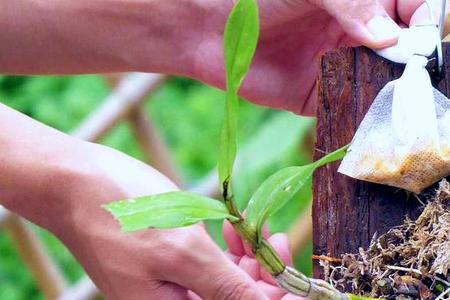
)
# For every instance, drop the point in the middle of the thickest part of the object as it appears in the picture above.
(404, 139)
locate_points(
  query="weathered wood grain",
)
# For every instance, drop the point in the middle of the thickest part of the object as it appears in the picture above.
(347, 212)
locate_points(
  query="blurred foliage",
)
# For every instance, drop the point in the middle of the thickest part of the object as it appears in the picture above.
(189, 116)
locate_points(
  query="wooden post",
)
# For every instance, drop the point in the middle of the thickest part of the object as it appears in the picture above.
(347, 212)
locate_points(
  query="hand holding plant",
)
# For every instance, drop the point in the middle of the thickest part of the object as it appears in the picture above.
(177, 209)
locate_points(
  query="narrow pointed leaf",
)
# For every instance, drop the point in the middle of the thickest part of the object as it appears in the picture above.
(240, 40)
(279, 188)
(169, 210)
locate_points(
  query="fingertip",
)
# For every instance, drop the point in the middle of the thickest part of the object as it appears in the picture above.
(266, 231)
(367, 22)
(422, 16)
(193, 296)
(222, 280)
(267, 277)
(380, 32)
(232, 257)
(406, 8)
(250, 266)
(273, 292)
(280, 242)
(233, 240)
(248, 250)
(293, 297)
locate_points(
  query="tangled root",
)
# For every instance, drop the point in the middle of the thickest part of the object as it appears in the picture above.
(411, 261)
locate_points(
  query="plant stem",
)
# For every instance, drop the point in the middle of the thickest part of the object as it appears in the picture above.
(264, 252)
(290, 279)
(228, 199)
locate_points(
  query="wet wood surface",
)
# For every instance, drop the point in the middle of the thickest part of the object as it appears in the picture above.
(347, 212)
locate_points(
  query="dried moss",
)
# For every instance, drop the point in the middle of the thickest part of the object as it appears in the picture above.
(411, 261)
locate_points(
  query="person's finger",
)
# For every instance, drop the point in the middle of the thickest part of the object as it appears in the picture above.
(157, 290)
(390, 6)
(266, 231)
(272, 291)
(248, 249)
(293, 297)
(423, 15)
(233, 240)
(406, 9)
(281, 244)
(226, 282)
(199, 265)
(366, 21)
(250, 266)
(232, 257)
(192, 296)
(267, 277)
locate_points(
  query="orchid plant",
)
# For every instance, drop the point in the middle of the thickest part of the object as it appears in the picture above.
(178, 209)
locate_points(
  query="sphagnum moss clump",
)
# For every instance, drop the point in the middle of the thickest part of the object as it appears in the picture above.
(409, 262)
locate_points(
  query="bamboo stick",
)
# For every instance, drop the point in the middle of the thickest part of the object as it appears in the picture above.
(48, 278)
(129, 93)
(153, 145)
(85, 289)
(4, 215)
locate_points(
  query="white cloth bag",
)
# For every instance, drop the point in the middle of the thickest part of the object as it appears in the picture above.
(404, 139)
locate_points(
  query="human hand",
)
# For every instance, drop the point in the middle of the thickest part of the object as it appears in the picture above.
(242, 255)
(186, 37)
(239, 253)
(60, 183)
(152, 264)
(294, 34)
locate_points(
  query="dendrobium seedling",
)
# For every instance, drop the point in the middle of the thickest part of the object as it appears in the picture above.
(177, 209)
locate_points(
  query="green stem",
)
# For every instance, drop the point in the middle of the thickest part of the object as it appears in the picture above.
(269, 259)
(228, 199)
(290, 279)
(264, 252)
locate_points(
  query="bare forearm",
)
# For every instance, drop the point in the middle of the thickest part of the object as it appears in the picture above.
(51, 178)
(90, 36)
(37, 165)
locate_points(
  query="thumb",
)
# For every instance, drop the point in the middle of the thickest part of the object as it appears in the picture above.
(207, 271)
(366, 21)
(222, 280)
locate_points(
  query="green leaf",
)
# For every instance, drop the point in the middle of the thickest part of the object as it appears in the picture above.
(169, 210)
(240, 41)
(279, 188)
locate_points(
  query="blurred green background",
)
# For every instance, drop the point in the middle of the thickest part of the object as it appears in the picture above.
(188, 115)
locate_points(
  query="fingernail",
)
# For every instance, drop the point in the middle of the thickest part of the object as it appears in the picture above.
(383, 28)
